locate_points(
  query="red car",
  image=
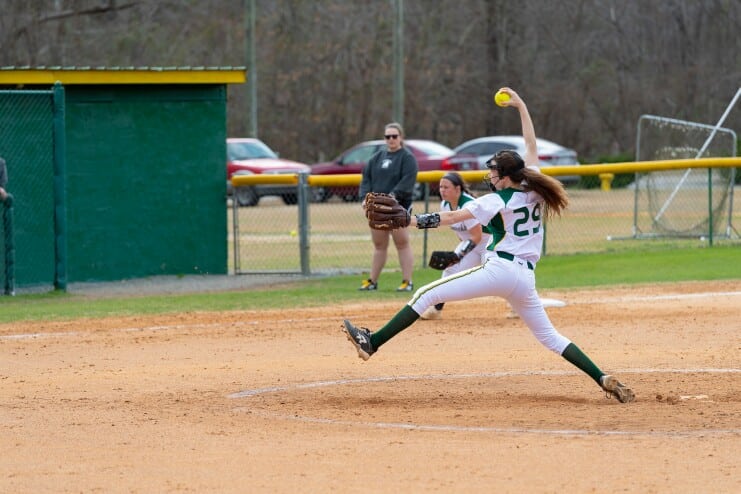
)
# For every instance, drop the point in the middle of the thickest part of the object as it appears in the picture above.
(430, 155)
(249, 156)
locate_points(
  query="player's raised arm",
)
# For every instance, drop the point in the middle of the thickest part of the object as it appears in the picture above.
(528, 130)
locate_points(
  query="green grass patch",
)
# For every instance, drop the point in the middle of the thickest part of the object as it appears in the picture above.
(652, 265)
(640, 266)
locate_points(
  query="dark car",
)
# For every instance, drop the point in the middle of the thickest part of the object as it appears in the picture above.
(430, 156)
(249, 156)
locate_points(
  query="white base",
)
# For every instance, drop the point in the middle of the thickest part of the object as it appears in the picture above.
(552, 302)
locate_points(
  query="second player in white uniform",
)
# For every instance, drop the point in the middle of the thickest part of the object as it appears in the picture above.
(522, 197)
(455, 194)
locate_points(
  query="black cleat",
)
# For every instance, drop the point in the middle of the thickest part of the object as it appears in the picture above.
(360, 338)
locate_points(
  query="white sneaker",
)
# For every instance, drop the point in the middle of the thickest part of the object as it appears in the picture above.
(432, 313)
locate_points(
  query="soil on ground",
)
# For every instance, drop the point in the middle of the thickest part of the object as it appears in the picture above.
(278, 401)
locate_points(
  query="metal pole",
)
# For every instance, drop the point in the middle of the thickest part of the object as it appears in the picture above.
(9, 246)
(710, 206)
(60, 190)
(636, 178)
(235, 235)
(249, 26)
(426, 230)
(303, 222)
(729, 224)
(398, 102)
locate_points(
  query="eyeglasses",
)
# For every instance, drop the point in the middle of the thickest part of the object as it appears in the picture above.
(391, 136)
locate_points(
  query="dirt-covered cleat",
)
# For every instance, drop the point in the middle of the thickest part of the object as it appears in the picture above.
(368, 285)
(615, 388)
(432, 313)
(360, 338)
(512, 314)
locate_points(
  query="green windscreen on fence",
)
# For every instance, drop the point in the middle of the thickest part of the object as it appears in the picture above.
(146, 181)
(27, 145)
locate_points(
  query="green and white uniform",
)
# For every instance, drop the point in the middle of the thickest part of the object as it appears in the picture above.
(515, 220)
(461, 229)
(516, 226)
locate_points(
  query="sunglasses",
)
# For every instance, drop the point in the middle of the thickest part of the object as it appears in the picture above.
(391, 136)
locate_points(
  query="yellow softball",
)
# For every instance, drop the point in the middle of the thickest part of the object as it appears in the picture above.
(500, 98)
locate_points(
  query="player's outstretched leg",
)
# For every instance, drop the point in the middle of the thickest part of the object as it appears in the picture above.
(360, 338)
(615, 388)
(608, 383)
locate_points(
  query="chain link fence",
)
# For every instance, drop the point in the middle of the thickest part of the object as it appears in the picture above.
(27, 145)
(334, 237)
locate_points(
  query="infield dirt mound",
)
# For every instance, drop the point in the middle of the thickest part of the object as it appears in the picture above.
(277, 401)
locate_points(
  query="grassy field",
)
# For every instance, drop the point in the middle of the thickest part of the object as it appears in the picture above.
(596, 221)
(651, 265)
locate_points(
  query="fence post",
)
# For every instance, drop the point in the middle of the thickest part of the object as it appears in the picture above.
(710, 206)
(426, 230)
(235, 234)
(303, 221)
(9, 246)
(60, 191)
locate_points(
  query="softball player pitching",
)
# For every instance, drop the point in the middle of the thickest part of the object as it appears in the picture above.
(521, 198)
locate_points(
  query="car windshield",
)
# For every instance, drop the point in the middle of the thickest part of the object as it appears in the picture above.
(431, 148)
(248, 151)
(360, 154)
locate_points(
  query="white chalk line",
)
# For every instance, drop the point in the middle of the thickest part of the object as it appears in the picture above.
(485, 429)
(254, 323)
(61, 334)
(482, 429)
(677, 296)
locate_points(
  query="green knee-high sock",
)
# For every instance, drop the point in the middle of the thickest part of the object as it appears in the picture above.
(573, 354)
(402, 320)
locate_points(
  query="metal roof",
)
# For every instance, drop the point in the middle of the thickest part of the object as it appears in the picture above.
(69, 75)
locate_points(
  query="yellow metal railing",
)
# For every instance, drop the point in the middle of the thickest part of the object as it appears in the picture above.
(471, 176)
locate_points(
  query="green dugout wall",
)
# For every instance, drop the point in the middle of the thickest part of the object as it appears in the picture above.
(144, 173)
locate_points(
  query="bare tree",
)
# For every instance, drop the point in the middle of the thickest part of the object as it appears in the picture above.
(588, 68)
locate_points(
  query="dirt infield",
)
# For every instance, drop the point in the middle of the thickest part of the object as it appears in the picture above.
(277, 401)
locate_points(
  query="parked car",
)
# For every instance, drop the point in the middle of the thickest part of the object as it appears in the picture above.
(549, 153)
(249, 156)
(430, 155)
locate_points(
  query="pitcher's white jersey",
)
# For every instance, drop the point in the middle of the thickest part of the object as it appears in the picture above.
(462, 228)
(514, 218)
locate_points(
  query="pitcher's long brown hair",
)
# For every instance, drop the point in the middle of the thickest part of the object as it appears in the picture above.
(510, 164)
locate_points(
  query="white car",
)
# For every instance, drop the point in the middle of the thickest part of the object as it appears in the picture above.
(549, 153)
